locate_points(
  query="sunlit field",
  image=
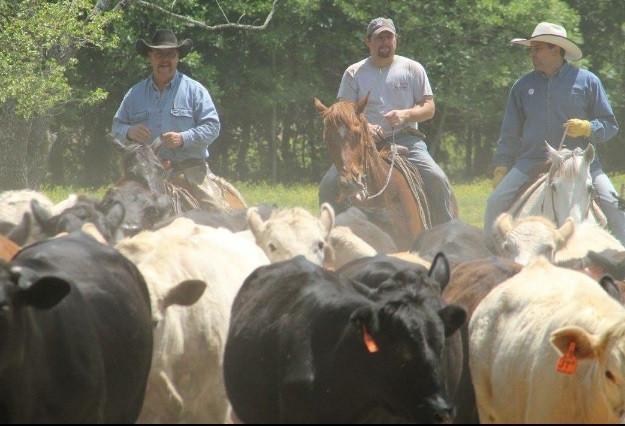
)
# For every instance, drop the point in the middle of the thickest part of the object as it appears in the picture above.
(471, 196)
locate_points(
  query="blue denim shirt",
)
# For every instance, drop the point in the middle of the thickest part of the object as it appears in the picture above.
(183, 106)
(537, 108)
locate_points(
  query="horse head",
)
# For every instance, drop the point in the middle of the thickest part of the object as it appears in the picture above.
(349, 142)
(569, 189)
(141, 164)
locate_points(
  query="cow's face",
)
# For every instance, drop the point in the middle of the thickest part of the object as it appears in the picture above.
(526, 239)
(607, 353)
(409, 334)
(294, 232)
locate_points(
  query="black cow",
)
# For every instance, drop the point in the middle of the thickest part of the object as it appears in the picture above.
(308, 345)
(75, 334)
(376, 271)
(86, 210)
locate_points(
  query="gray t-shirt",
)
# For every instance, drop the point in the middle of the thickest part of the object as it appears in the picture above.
(401, 85)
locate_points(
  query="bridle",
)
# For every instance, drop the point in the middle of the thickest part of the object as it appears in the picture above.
(364, 192)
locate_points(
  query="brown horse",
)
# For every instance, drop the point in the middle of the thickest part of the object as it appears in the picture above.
(365, 178)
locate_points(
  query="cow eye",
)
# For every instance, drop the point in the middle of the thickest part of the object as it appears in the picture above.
(610, 376)
(320, 245)
(271, 247)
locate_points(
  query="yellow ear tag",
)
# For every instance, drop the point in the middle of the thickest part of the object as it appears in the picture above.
(370, 344)
(567, 364)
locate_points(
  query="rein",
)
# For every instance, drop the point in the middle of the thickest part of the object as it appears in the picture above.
(388, 177)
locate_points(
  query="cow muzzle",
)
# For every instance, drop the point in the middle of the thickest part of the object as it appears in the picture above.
(440, 410)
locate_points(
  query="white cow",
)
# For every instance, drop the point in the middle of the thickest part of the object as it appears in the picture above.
(292, 232)
(525, 239)
(185, 383)
(520, 330)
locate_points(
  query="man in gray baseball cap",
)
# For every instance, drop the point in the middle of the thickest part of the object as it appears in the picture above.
(378, 25)
(400, 97)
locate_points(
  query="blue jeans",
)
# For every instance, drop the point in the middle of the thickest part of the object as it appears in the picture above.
(437, 186)
(506, 192)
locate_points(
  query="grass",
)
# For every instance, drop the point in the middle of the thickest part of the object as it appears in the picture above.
(471, 196)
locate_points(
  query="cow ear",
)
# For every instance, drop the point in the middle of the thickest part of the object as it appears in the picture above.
(439, 270)
(453, 317)
(255, 222)
(115, 215)
(327, 218)
(319, 106)
(564, 233)
(366, 324)
(42, 217)
(503, 225)
(43, 294)
(186, 293)
(586, 344)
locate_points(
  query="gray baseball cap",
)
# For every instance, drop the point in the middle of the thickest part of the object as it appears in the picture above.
(378, 25)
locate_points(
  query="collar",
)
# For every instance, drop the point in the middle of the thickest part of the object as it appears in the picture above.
(175, 78)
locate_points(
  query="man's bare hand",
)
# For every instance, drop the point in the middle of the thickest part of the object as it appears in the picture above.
(139, 133)
(376, 131)
(396, 117)
(172, 140)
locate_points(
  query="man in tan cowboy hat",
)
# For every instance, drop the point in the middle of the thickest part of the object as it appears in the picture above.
(400, 97)
(554, 98)
(174, 107)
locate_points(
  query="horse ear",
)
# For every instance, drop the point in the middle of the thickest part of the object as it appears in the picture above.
(362, 103)
(320, 107)
(589, 153)
(553, 153)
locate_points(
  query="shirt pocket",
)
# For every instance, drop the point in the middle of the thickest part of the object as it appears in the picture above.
(138, 117)
(578, 99)
(183, 118)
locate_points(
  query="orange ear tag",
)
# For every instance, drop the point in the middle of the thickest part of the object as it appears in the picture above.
(567, 364)
(370, 344)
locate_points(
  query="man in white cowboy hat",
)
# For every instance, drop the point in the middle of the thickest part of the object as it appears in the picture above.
(173, 106)
(400, 97)
(543, 104)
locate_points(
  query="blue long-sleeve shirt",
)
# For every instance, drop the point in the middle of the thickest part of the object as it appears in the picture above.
(183, 106)
(537, 108)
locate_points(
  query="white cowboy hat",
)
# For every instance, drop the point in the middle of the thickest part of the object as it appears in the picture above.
(553, 34)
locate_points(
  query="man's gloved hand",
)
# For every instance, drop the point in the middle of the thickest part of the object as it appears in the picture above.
(498, 174)
(576, 128)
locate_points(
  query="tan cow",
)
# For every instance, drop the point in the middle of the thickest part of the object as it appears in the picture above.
(185, 383)
(520, 330)
(525, 239)
(292, 232)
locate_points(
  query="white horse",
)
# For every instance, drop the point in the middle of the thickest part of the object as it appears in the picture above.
(565, 191)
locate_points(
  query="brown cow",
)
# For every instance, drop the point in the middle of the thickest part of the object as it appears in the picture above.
(470, 283)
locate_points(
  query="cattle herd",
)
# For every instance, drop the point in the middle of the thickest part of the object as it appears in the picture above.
(266, 315)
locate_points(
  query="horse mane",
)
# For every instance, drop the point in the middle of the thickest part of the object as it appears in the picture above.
(566, 166)
(344, 113)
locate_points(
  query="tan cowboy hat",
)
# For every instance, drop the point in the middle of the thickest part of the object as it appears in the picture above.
(164, 39)
(553, 34)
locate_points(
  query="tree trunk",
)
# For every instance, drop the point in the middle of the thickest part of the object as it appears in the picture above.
(38, 151)
(13, 149)
(435, 142)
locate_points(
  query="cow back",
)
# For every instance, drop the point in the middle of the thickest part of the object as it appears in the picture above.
(89, 355)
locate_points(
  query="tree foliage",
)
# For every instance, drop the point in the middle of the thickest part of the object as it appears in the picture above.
(263, 82)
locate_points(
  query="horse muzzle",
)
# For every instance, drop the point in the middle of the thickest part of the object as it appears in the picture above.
(352, 188)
